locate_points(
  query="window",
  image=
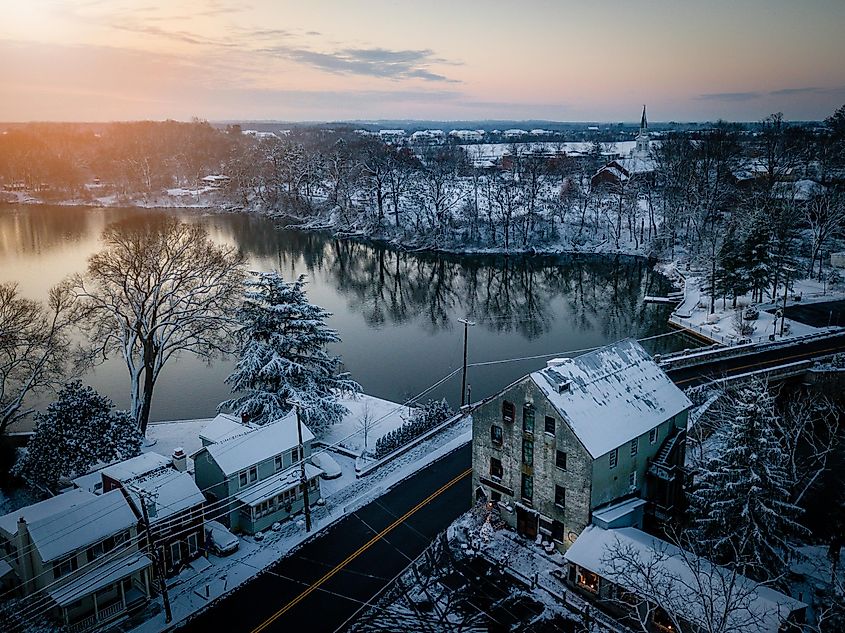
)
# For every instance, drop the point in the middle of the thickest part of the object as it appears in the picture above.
(242, 479)
(527, 451)
(588, 580)
(632, 479)
(495, 496)
(496, 435)
(557, 531)
(527, 487)
(94, 552)
(496, 470)
(652, 436)
(175, 554)
(549, 425)
(314, 484)
(614, 457)
(528, 419)
(64, 567)
(545, 527)
(277, 462)
(635, 446)
(295, 455)
(193, 544)
(508, 411)
(253, 474)
(560, 460)
(560, 496)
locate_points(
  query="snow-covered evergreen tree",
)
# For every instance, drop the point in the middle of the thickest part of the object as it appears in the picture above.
(78, 431)
(283, 357)
(740, 503)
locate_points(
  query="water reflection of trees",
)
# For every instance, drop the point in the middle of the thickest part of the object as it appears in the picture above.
(505, 294)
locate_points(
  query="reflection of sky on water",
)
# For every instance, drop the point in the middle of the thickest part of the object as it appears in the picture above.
(396, 312)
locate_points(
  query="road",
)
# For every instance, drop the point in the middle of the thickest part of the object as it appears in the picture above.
(696, 375)
(319, 586)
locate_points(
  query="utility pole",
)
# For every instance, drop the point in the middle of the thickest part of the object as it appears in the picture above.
(143, 495)
(466, 323)
(787, 269)
(303, 479)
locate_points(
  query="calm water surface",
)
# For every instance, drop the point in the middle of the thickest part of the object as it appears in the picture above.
(397, 313)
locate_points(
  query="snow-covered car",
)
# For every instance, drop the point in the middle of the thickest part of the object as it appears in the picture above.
(219, 539)
(326, 463)
(751, 313)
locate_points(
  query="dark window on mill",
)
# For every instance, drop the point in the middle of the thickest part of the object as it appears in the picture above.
(496, 435)
(550, 425)
(496, 470)
(508, 411)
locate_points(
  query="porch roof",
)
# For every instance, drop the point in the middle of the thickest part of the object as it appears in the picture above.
(270, 487)
(99, 577)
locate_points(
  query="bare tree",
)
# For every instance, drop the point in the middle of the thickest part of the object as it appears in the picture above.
(825, 216)
(35, 349)
(670, 581)
(366, 424)
(154, 291)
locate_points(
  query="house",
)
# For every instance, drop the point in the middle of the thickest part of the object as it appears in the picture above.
(595, 570)
(81, 551)
(174, 504)
(255, 472)
(565, 441)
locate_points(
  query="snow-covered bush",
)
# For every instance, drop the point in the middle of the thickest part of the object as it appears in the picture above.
(78, 431)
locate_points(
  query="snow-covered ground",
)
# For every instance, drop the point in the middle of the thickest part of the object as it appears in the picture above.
(195, 590)
(383, 416)
(719, 326)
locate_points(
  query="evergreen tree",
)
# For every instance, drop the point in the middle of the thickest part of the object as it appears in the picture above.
(283, 358)
(740, 504)
(78, 431)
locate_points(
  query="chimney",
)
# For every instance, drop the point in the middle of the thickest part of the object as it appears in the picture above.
(244, 418)
(180, 460)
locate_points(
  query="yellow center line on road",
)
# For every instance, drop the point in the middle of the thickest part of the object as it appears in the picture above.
(768, 362)
(261, 627)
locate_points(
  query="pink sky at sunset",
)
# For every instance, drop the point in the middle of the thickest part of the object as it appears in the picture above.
(566, 60)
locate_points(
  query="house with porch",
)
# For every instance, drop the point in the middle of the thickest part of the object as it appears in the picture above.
(653, 585)
(570, 440)
(254, 472)
(174, 504)
(81, 551)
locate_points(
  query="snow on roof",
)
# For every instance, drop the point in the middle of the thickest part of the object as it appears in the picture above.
(637, 164)
(92, 482)
(802, 190)
(172, 491)
(270, 487)
(611, 513)
(612, 395)
(99, 577)
(44, 509)
(673, 573)
(139, 466)
(224, 427)
(81, 525)
(259, 444)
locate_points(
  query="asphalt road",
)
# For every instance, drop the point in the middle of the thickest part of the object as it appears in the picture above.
(319, 586)
(691, 376)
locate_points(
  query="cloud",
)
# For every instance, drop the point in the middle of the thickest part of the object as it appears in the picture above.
(729, 96)
(372, 62)
(794, 91)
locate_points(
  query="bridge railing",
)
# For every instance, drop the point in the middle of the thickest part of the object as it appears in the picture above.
(680, 360)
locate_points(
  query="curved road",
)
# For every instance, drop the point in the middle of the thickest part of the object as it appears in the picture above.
(325, 581)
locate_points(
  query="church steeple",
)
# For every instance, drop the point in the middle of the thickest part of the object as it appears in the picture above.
(642, 147)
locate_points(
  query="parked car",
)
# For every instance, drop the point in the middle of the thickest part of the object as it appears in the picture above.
(220, 540)
(751, 314)
(325, 462)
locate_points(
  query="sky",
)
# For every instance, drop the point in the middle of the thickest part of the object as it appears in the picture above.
(560, 60)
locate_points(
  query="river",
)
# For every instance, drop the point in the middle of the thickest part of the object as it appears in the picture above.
(396, 312)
